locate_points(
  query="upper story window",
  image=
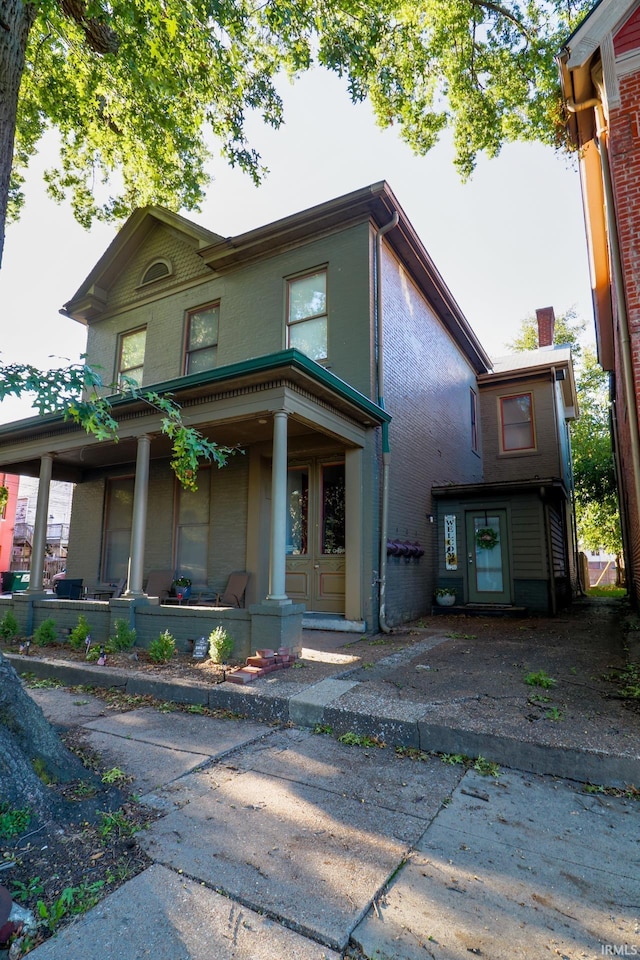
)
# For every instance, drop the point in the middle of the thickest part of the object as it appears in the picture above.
(131, 358)
(516, 419)
(473, 403)
(156, 271)
(202, 338)
(307, 314)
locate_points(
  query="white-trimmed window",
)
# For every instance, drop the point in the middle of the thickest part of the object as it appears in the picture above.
(516, 421)
(131, 355)
(202, 338)
(307, 314)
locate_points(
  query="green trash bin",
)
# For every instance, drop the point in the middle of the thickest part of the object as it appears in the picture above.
(21, 580)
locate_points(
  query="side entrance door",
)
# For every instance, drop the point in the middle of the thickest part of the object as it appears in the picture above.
(488, 556)
(316, 547)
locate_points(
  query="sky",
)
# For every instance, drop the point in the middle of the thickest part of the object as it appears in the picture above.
(507, 242)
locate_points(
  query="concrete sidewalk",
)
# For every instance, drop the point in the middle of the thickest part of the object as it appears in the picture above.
(277, 843)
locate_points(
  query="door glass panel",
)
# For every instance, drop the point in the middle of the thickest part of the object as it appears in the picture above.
(297, 511)
(488, 554)
(333, 526)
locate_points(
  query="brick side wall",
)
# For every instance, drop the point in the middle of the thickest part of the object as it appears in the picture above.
(625, 170)
(427, 391)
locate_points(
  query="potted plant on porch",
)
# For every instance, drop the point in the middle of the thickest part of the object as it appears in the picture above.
(182, 588)
(445, 596)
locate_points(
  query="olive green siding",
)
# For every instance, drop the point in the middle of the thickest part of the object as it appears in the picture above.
(545, 460)
(528, 519)
(253, 303)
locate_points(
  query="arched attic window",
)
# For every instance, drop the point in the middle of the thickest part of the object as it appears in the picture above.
(156, 271)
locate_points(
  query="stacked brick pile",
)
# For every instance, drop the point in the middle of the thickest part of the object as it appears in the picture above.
(265, 661)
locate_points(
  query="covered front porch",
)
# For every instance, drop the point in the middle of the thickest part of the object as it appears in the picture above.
(129, 516)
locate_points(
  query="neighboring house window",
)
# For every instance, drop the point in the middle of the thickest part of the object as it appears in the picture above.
(474, 420)
(516, 416)
(202, 338)
(131, 360)
(307, 315)
(117, 533)
(192, 530)
(156, 271)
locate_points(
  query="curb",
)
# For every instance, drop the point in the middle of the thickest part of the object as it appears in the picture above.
(327, 702)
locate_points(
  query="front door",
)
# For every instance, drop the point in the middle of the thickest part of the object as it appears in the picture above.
(316, 548)
(488, 556)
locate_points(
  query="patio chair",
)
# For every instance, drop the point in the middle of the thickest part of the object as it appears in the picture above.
(69, 589)
(106, 591)
(159, 583)
(233, 593)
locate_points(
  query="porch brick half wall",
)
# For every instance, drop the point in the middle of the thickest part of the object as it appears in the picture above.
(258, 627)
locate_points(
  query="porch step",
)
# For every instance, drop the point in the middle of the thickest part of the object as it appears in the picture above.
(481, 610)
(331, 621)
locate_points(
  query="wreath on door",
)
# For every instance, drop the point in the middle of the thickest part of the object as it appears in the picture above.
(486, 538)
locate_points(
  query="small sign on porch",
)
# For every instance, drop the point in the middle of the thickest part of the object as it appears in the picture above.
(450, 542)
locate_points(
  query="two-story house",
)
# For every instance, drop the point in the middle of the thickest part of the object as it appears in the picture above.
(600, 74)
(328, 349)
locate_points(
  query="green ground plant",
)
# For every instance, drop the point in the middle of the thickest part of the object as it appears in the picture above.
(116, 775)
(72, 900)
(361, 740)
(162, 648)
(124, 636)
(13, 821)
(614, 593)
(554, 713)
(116, 826)
(8, 626)
(79, 634)
(540, 679)
(46, 634)
(220, 645)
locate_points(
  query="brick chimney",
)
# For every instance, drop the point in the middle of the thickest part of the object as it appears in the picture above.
(546, 323)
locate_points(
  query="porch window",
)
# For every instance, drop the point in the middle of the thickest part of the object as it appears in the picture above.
(117, 533)
(516, 417)
(131, 355)
(473, 399)
(307, 314)
(192, 530)
(202, 338)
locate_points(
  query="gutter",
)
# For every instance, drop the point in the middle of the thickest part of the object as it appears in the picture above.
(386, 450)
(618, 278)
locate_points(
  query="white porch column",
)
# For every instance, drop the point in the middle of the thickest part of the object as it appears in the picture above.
(277, 558)
(40, 528)
(139, 519)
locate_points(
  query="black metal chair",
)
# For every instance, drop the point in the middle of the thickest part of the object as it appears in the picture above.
(69, 589)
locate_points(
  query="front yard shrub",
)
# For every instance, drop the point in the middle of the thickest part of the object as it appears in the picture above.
(79, 634)
(220, 645)
(46, 634)
(125, 636)
(8, 626)
(162, 648)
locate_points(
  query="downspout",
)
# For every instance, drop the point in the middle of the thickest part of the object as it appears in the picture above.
(616, 265)
(386, 450)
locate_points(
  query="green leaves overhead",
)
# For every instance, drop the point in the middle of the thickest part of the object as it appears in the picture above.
(139, 89)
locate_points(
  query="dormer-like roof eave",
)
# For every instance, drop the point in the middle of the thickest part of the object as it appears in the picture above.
(90, 299)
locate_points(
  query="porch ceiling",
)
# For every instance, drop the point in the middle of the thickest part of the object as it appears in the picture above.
(235, 410)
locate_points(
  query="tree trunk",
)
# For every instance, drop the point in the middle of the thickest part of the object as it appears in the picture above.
(27, 736)
(16, 20)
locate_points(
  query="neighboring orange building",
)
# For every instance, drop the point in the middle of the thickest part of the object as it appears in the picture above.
(8, 519)
(600, 73)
